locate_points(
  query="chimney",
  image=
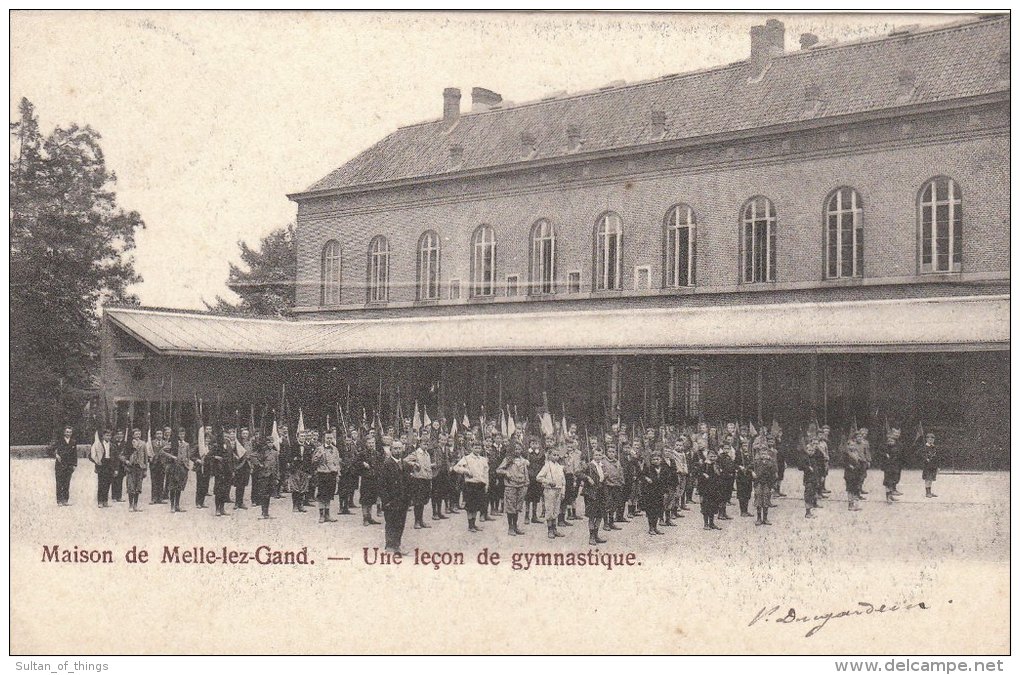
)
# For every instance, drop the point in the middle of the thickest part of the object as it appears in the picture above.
(527, 144)
(451, 106)
(812, 100)
(658, 123)
(573, 137)
(808, 40)
(767, 42)
(456, 155)
(484, 99)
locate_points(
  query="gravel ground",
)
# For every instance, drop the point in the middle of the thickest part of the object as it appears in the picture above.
(690, 591)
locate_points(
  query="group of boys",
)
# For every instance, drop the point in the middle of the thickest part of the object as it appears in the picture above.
(618, 476)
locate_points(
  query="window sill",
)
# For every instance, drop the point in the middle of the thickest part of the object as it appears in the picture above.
(482, 298)
(948, 275)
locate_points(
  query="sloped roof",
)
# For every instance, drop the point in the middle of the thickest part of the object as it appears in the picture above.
(980, 322)
(954, 62)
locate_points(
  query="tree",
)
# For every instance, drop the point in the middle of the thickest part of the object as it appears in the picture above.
(70, 251)
(267, 286)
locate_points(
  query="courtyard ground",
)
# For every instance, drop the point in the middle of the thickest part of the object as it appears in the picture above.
(690, 591)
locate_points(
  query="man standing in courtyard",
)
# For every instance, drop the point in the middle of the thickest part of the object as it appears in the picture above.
(65, 456)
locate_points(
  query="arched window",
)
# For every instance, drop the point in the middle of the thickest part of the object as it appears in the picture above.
(608, 258)
(329, 293)
(543, 258)
(379, 269)
(844, 234)
(940, 210)
(483, 262)
(428, 266)
(758, 241)
(678, 247)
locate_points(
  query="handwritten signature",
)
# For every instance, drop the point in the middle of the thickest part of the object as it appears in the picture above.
(768, 614)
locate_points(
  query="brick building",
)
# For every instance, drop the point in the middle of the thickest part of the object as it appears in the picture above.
(819, 230)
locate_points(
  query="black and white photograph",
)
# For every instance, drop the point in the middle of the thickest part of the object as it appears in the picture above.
(510, 333)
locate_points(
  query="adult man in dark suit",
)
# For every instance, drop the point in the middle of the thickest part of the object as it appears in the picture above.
(117, 464)
(102, 455)
(395, 489)
(221, 458)
(202, 465)
(65, 455)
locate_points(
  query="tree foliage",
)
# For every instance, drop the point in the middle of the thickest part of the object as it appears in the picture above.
(266, 282)
(70, 251)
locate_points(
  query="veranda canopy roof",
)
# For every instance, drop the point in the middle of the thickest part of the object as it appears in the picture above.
(947, 323)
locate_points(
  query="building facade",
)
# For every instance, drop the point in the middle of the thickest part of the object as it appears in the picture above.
(817, 234)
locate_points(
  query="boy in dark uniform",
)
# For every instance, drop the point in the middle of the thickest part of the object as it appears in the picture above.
(440, 457)
(177, 466)
(656, 480)
(299, 473)
(891, 465)
(326, 461)
(711, 484)
(811, 477)
(536, 460)
(593, 490)
(265, 472)
(930, 468)
(745, 481)
(242, 467)
(201, 466)
(853, 472)
(368, 467)
(137, 465)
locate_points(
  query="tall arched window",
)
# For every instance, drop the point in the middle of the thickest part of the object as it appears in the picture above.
(608, 258)
(483, 262)
(758, 241)
(428, 266)
(329, 293)
(844, 234)
(678, 247)
(543, 258)
(940, 210)
(379, 269)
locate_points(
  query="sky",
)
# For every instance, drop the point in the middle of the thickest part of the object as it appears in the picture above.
(209, 119)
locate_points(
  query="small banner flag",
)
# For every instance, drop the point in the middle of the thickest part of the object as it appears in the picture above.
(98, 450)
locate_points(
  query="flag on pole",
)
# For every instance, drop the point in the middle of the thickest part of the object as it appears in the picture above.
(466, 422)
(502, 424)
(98, 450)
(752, 430)
(563, 425)
(300, 421)
(775, 428)
(275, 437)
(416, 420)
(919, 434)
(148, 443)
(511, 425)
(425, 416)
(203, 449)
(453, 427)
(547, 424)
(241, 450)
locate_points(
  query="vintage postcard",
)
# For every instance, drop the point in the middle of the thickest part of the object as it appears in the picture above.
(509, 333)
